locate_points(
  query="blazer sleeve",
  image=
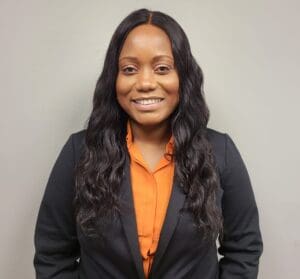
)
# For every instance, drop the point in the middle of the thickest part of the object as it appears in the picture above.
(56, 245)
(241, 245)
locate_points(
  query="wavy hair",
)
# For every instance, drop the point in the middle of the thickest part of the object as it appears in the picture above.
(100, 169)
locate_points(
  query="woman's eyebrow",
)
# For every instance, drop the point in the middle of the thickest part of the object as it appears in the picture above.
(155, 58)
(129, 58)
(158, 57)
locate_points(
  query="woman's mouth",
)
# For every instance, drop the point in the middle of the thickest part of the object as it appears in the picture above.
(148, 101)
(147, 104)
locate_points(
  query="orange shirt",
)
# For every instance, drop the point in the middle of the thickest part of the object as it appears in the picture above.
(151, 193)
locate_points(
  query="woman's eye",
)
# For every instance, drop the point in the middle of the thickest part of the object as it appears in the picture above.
(128, 70)
(162, 69)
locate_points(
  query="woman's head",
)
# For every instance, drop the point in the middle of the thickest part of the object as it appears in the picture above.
(188, 74)
(147, 85)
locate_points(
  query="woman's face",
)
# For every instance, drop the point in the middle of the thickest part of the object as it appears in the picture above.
(147, 83)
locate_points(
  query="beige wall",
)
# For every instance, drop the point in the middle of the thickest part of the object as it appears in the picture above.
(51, 53)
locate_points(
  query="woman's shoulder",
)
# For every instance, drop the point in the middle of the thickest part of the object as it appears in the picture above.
(215, 135)
(78, 137)
(217, 140)
(225, 150)
(221, 142)
(77, 140)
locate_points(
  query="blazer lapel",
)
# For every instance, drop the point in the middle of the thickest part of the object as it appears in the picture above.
(172, 216)
(128, 219)
(176, 202)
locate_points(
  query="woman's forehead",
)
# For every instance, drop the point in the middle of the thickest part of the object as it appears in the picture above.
(146, 38)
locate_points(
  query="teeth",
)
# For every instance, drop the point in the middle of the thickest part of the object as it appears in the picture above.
(148, 101)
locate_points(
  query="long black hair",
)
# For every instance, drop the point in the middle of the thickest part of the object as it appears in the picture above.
(100, 169)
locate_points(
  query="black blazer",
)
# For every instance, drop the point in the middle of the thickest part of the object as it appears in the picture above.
(63, 252)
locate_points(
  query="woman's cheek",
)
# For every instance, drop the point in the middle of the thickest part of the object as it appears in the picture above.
(124, 84)
(170, 84)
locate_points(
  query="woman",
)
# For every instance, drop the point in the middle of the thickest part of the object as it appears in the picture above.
(147, 189)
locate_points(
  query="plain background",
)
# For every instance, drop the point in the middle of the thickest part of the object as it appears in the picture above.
(51, 54)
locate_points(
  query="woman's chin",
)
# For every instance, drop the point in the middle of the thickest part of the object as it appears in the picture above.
(150, 122)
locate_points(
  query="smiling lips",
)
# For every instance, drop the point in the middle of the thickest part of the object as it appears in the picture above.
(147, 101)
(147, 104)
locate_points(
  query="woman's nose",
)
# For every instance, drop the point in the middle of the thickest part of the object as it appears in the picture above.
(146, 81)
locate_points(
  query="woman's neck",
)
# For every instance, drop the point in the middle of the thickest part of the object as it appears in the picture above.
(157, 135)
